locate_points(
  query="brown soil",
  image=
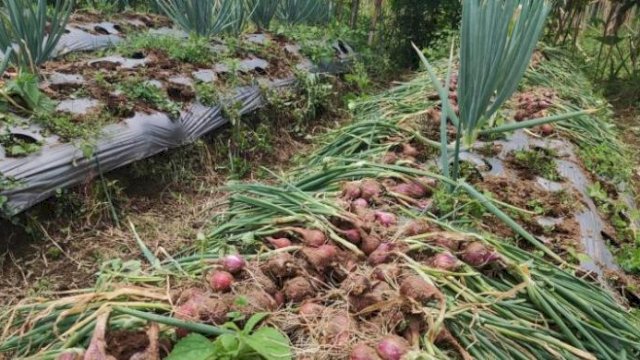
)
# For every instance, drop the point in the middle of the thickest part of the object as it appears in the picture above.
(521, 192)
(123, 344)
(158, 67)
(526, 171)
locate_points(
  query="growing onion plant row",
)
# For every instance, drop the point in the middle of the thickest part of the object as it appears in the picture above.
(206, 18)
(33, 28)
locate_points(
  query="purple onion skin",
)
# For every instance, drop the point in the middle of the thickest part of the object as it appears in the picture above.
(445, 261)
(381, 255)
(478, 255)
(370, 189)
(385, 218)
(360, 203)
(312, 237)
(69, 356)
(413, 190)
(353, 235)
(363, 352)
(280, 242)
(351, 191)
(392, 348)
(221, 281)
(234, 263)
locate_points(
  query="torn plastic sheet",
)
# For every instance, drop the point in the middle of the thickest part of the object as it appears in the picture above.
(60, 165)
(80, 40)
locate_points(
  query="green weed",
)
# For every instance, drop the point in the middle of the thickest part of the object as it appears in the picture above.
(195, 50)
(359, 77)
(315, 43)
(42, 285)
(629, 257)
(295, 107)
(237, 46)
(267, 342)
(537, 206)
(621, 217)
(538, 162)
(232, 78)
(141, 90)
(607, 162)
(207, 93)
(22, 93)
(65, 126)
(447, 204)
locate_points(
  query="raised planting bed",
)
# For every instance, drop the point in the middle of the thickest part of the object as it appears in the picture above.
(367, 252)
(123, 90)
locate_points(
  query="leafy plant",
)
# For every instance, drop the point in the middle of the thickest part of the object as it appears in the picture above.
(537, 162)
(606, 161)
(314, 41)
(63, 125)
(32, 30)
(240, 13)
(358, 77)
(498, 39)
(263, 12)
(305, 11)
(23, 94)
(205, 18)
(207, 93)
(426, 23)
(264, 343)
(6, 183)
(195, 50)
(314, 96)
(147, 92)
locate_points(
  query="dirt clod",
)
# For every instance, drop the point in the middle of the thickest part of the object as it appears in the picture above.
(298, 289)
(281, 266)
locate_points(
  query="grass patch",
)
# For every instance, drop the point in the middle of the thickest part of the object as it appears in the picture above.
(621, 217)
(629, 257)
(67, 128)
(315, 43)
(141, 90)
(597, 138)
(195, 50)
(606, 162)
(538, 162)
(207, 93)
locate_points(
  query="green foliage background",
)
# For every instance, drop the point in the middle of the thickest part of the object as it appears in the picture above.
(435, 19)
